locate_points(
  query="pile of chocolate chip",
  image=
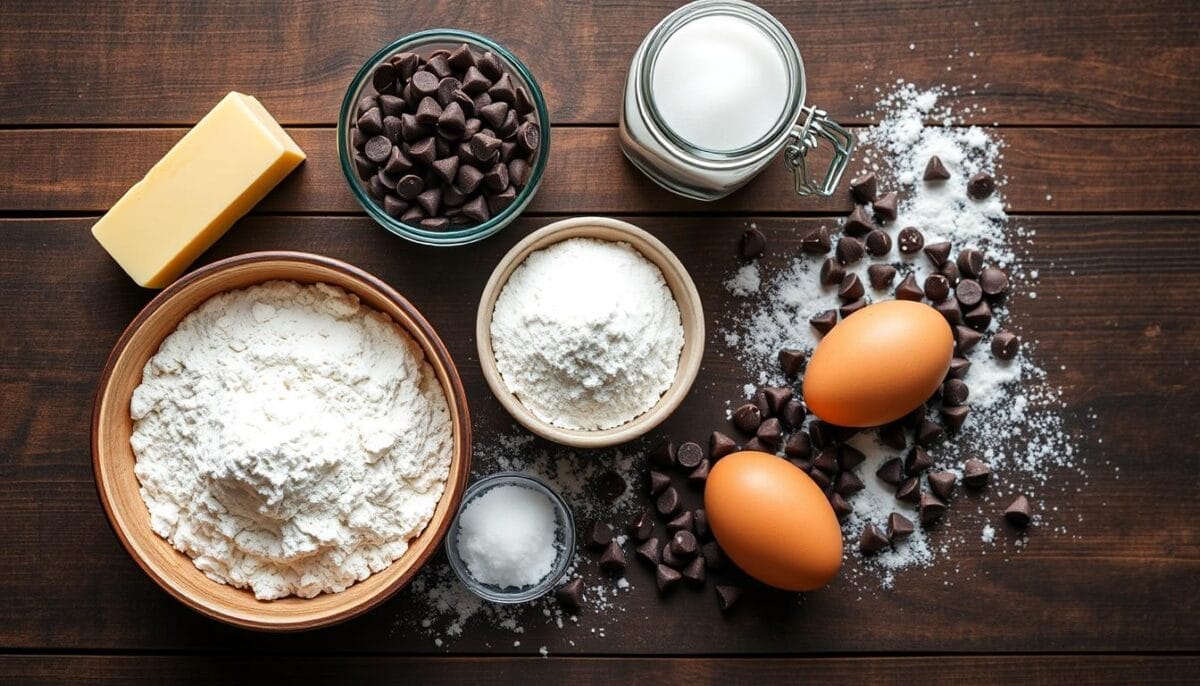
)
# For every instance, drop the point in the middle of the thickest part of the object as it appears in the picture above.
(446, 141)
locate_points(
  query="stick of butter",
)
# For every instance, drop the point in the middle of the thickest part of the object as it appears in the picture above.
(219, 170)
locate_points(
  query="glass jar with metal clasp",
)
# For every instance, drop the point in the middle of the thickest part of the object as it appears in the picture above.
(693, 139)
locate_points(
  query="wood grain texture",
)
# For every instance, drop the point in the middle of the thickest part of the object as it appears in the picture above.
(115, 62)
(1053, 170)
(1109, 310)
(184, 670)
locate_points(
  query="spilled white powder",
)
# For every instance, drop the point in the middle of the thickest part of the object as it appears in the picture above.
(507, 536)
(289, 439)
(587, 334)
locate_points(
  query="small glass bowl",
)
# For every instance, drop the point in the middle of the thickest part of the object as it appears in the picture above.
(425, 42)
(564, 540)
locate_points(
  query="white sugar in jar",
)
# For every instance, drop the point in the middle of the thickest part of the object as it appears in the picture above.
(714, 92)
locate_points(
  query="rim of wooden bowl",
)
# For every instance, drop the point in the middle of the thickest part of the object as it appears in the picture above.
(113, 459)
(682, 288)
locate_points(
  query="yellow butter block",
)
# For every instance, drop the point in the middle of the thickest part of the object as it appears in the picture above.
(219, 170)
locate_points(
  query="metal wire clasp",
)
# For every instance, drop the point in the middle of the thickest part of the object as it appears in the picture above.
(805, 137)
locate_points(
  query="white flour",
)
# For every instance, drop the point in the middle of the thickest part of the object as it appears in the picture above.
(289, 439)
(587, 334)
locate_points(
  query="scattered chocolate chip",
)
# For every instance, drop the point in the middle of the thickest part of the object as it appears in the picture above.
(954, 417)
(994, 281)
(699, 476)
(840, 506)
(683, 522)
(917, 460)
(935, 170)
(872, 540)
(885, 207)
(878, 243)
(658, 482)
(981, 186)
(970, 262)
(461, 58)
(851, 288)
(1005, 345)
(832, 272)
(968, 292)
(881, 276)
(863, 188)
(612, 560)
(816, 242)
(727, 596)
(694, 571)
(821, 433)
(847, 483)
(670, 559)
(720, 445)
(852, 307)
(850, 457)
(570, 595)
(859, 223)
(937, 287)
(714, 557)
(650, 552)
(966, 338)
(770, 432)
(684, 544)
(959, 367)
(909, 490)
(821, 478)
(757, 445)
(599, 535)
(663, 454)
(899, 526)
(799, 445)
(641, 526)
(1019, 513)
(747, 418)
(753, 243)
(910, 240)
(790, 361)
(928, 433)
(666, 578)
(949, 269)
(931, 509)
(942, 484)
(909, 290)
(777, 398)
(668, 502)
(824, 322)
(938, 253)
(793, 413)
(849, 250)
(950, 311)
(700, 522)
(955, 392)
(610, 485)
(976, 472)
(689, 455)
(978, 317)
(892, 435)
(826, 459)
(760, 401)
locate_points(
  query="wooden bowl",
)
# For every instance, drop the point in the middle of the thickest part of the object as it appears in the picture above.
(690, 310)
(113, 458)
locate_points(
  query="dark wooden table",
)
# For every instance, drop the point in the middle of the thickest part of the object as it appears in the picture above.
(1097, 102)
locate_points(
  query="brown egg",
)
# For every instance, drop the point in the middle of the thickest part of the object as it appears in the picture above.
(879, 364)
(773, 521)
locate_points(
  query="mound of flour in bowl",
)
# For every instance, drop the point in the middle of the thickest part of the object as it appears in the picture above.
(289, 439)
(587, 334)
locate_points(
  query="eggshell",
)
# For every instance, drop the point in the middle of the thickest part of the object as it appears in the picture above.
(773, 521)
(878, 364)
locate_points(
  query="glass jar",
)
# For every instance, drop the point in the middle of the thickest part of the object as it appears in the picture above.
(689, 168)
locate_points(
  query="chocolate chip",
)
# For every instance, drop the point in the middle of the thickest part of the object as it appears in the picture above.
(909, 290)
(425, 83)
(824, 322)
(1005, 345)
(598, 535)
(931, 509)
(872, 540)
(663, 454)
(720, 445)
(942, 484)
(612, 560)
(885, 207)
(699, 476)
(476, 208)
(650, 552)
(821, 478)
(994, 281)
(976, 473)
(714, 557)
(570, 595)
(891, 472)
(413, 215)
(851, 288)
(849, 250)
(950, 311)
(859, 223)
(428, 112)
(879, 243)
(758, 445)
(968, 292)
(666, 578)
(439, 64)
(475, 83)
(528, 135)
(935, 170)
(394, 206)
(371, 122)
(452, 120)
(753, 243)
(689, 455)
(852, 307)
(498, 202)
(700, 521)
(847, 483)
(959, 366)
(966, 338)
(955, 392)
(410, 130)
(493, 113)
(863, 188)
(461, 58)
(928, 433)
(790, 361)
(641, 526)
(727, 596)
(777, 397)
(840, 506)
(949, 269)
(446, 168)
(938, 253)
(816, 242)
(954, 417)
(410, 186)
(694, 571)
(909, 490)
(658, 482)
(747, 418)
(892, 435)
(1019, 513)
(937, 287)
(793, 413)
(770, 432)
(668, 502)
(917, 461)
(424, 151)
(502, 90)
(366, 102)
(899, 526)
(523, 102)
(978, 317)
(981, 186)
(910, 240)
(850, 457)
(684, 544)
(832, 272)
(406, 64)
(798, 445)
(826, 460)
(821, 433)
(378, 149)
(970, 262)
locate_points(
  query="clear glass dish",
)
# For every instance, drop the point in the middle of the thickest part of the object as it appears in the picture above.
(564, 540)
(424, 42)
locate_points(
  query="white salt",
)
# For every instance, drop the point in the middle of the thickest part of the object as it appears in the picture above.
(507, 536)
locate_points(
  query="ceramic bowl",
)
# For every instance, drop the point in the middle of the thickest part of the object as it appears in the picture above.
(113, 458)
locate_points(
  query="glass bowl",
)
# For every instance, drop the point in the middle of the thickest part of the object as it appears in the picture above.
(425, 42)
(564, 542)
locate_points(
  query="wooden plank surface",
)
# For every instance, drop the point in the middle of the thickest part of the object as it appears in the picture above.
(116, 62)
(1108, 310)
(1090, 170)
(32, 670)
